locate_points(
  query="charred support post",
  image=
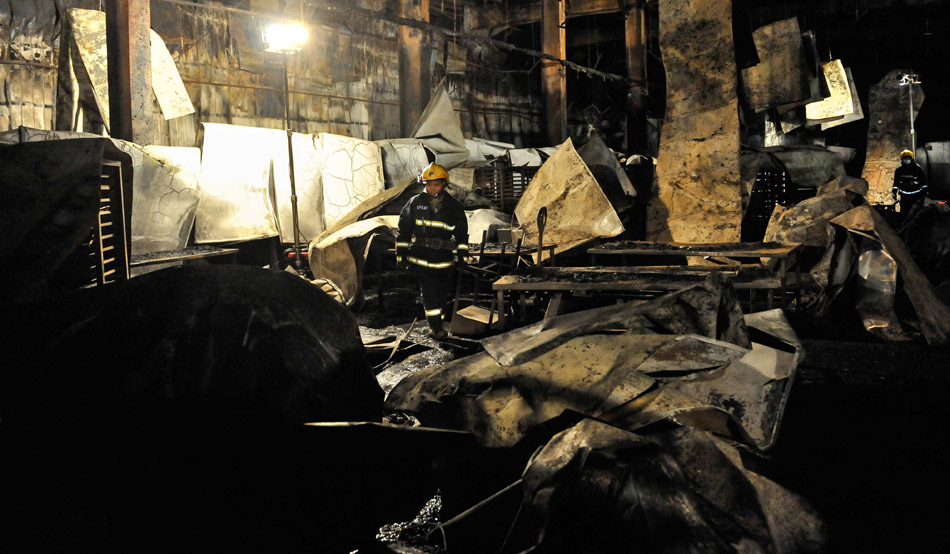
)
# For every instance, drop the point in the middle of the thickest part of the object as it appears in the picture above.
(635, 38)
(130, 70)
(414, 74)
(553, 74)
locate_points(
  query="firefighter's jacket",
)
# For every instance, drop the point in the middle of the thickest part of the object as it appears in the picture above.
(909, 179)
(432, 234)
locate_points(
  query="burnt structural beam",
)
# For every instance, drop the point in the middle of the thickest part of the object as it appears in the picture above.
(130, 70)
(635, 41)
(414, 73)
(553, 74)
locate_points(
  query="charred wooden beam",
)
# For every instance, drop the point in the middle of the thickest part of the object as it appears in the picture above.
(130, 70)
(553, 74)
(414, 72)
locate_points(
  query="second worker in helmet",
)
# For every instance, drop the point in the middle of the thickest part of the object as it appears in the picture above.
(433, 238)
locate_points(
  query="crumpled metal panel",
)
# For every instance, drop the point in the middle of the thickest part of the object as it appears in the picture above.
(238, 165)
(876, 282)
(605, 167)
(481, 150)
(332, 258)
(781, 76)
(633, 379)
(888, 132)
(839, 103)
(578, 210)
(440, 130)
(166, 82)
(698, 164)
(403, 160)
(593, 484)
(709, 309)
(807, 221)
(308, 181)
(840, 267)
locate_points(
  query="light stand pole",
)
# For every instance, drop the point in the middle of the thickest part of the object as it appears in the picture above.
(287, 39)
(909, 80)
(290, 157)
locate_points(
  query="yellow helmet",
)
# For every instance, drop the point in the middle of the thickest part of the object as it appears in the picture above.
(906, 152)
(434, 171)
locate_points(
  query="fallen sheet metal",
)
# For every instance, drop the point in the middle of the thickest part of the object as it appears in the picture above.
(240, 167)
(578, 210)
(933, 315)
(633, 379)
(169, 89)
(352, 174)
(485, 221)
(857, 112)
(888, 132)
(481, 150)
(840, 103)
(530, 157)
(332, 256)
(709, 309)
(807, 222)
(781, 76)
(594, 484)
(698, 165)
(440, 130)
(403, 160)
(605, 167)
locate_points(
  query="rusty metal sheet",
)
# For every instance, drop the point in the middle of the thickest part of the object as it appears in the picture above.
(888, 132)
(169, 89)
(781, 76)
(606, 168)
(839, 103)
(578, 210)
(238, 166)
(807, 222)
(698, 164)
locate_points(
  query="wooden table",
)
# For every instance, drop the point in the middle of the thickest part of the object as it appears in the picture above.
(622, 279)
(784, 255)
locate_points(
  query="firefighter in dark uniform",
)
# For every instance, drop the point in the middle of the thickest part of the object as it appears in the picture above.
(432, 238)
(910, 182)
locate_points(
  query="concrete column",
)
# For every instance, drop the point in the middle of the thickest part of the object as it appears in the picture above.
(130, 70)
(553, 74)
(414, 72)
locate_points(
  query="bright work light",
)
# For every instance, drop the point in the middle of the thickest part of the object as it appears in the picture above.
(285, 38)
